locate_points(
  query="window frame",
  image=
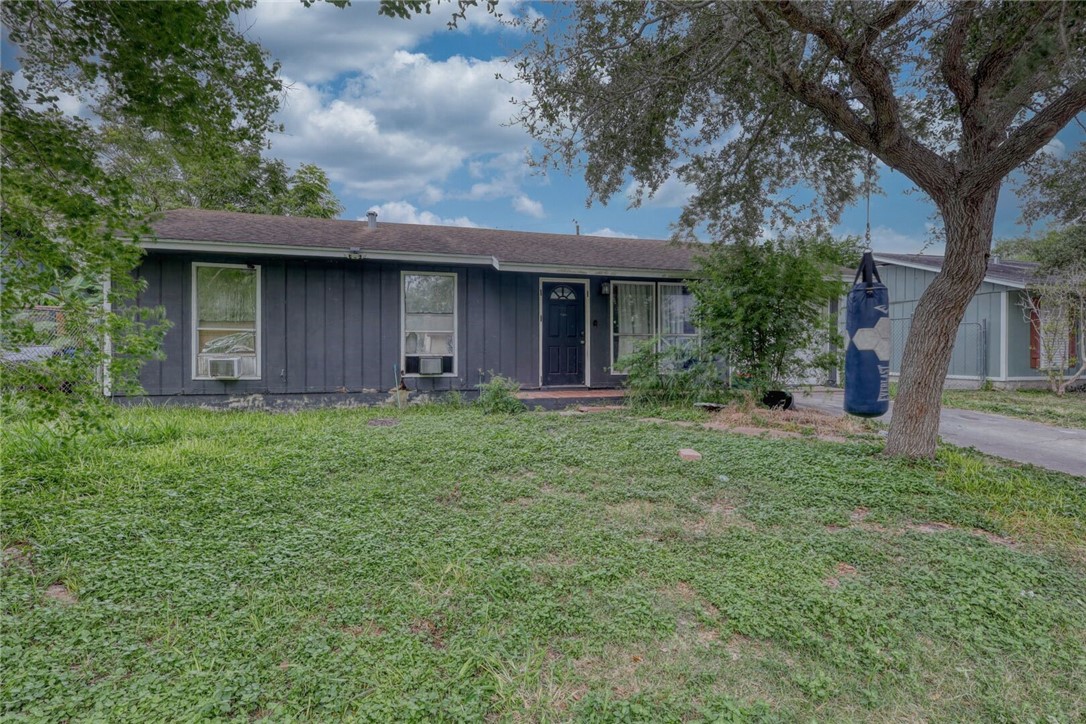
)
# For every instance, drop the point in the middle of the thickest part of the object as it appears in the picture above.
(455, 330)
(257, 321)
(612, 333)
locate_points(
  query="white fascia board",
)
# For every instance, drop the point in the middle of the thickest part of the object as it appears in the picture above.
(932, 268)
(209, 247)
(595, 271)
(313, 252)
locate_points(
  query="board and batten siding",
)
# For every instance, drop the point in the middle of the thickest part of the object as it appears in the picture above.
(333, 326)
(978, 343)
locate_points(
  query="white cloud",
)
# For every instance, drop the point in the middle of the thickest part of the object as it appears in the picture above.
(1055, 148)
(608, 231)
(350, 39)
(405, 213)
(524, 205)
(399, 131)
(883, 238)
(672, 193)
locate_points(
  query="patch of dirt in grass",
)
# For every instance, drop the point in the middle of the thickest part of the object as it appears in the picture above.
(685, 593)
(741, 646)
(638, 510)
(721, 514)
(777, 424)
(366, 630)
(61, 594)
(452, 497)
(746, 420)
(17, 554)
(991, 537)
(429, 631)
(840, 571)
(858, 521)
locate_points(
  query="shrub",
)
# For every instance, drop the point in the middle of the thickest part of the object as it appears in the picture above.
(499, 396)
(675, 375)
(764, 307)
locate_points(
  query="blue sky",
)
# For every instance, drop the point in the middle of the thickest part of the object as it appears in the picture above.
(407, 117)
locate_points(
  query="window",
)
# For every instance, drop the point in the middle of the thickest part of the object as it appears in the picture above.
(633, 311)
(429, 323)
(563, 292)
(226, 322)
(676, 317)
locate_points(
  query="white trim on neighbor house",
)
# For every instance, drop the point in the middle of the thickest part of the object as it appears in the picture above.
(211, 247)
(587, 284)
(933, 268)
(1004, 331)
(403, 324)
(195, 316)
(611, 321)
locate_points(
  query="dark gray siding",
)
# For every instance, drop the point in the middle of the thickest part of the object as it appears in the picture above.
(332, 326)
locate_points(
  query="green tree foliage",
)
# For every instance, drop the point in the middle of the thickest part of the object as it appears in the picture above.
(1056, 249)
(183, 70)
(212, 175)
(765, 307)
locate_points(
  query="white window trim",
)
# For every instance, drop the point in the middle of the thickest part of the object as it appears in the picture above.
(196, 319)
(611, 319)
(586, 284)
(403, 323)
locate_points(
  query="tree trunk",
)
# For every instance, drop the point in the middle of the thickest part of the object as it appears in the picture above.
(914, 428)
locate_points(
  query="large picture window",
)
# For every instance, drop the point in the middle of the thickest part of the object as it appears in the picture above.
(633, 311)
(429, 323)
(226, 322)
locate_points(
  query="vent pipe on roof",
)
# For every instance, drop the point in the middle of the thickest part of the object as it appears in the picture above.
(371, 218)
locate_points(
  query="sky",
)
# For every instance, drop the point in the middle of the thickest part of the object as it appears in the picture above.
(409, 118)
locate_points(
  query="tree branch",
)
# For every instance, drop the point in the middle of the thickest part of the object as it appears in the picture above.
(889, 17)
(953, 66)
(1026, 140)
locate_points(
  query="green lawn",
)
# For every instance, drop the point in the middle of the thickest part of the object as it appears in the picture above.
(1036, 405)
(196, 565)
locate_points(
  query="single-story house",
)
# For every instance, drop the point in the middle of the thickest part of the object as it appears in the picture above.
(995, 342)
(287, 306)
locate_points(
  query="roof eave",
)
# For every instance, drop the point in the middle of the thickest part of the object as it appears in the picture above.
(407, 256)
(1014, 284)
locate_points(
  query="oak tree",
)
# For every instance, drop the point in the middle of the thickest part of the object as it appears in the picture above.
(770, 109)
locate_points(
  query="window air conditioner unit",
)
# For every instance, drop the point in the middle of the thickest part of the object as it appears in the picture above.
(429, 365)
(227, 368)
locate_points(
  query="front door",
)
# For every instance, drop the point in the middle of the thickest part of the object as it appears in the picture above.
(563, 334)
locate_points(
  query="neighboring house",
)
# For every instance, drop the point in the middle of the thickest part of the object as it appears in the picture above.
(288, 306)
(995, 341)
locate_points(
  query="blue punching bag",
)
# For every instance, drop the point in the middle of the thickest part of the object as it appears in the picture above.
(867, 356)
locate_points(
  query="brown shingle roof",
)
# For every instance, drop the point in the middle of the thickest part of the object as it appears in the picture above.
(1009, 271)
(507, 247)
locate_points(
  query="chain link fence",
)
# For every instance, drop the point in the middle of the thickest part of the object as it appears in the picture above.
(40, 348)
(970, 355)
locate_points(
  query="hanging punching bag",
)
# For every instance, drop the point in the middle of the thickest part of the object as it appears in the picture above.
(867, 356)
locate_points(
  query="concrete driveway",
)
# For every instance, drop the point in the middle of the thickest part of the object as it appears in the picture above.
(1045, 446)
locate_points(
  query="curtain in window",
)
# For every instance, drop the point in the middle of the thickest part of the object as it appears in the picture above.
(676, 307)
(633, 316)
(226, 312)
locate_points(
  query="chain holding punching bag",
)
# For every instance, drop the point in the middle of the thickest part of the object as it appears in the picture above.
(867, 356)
